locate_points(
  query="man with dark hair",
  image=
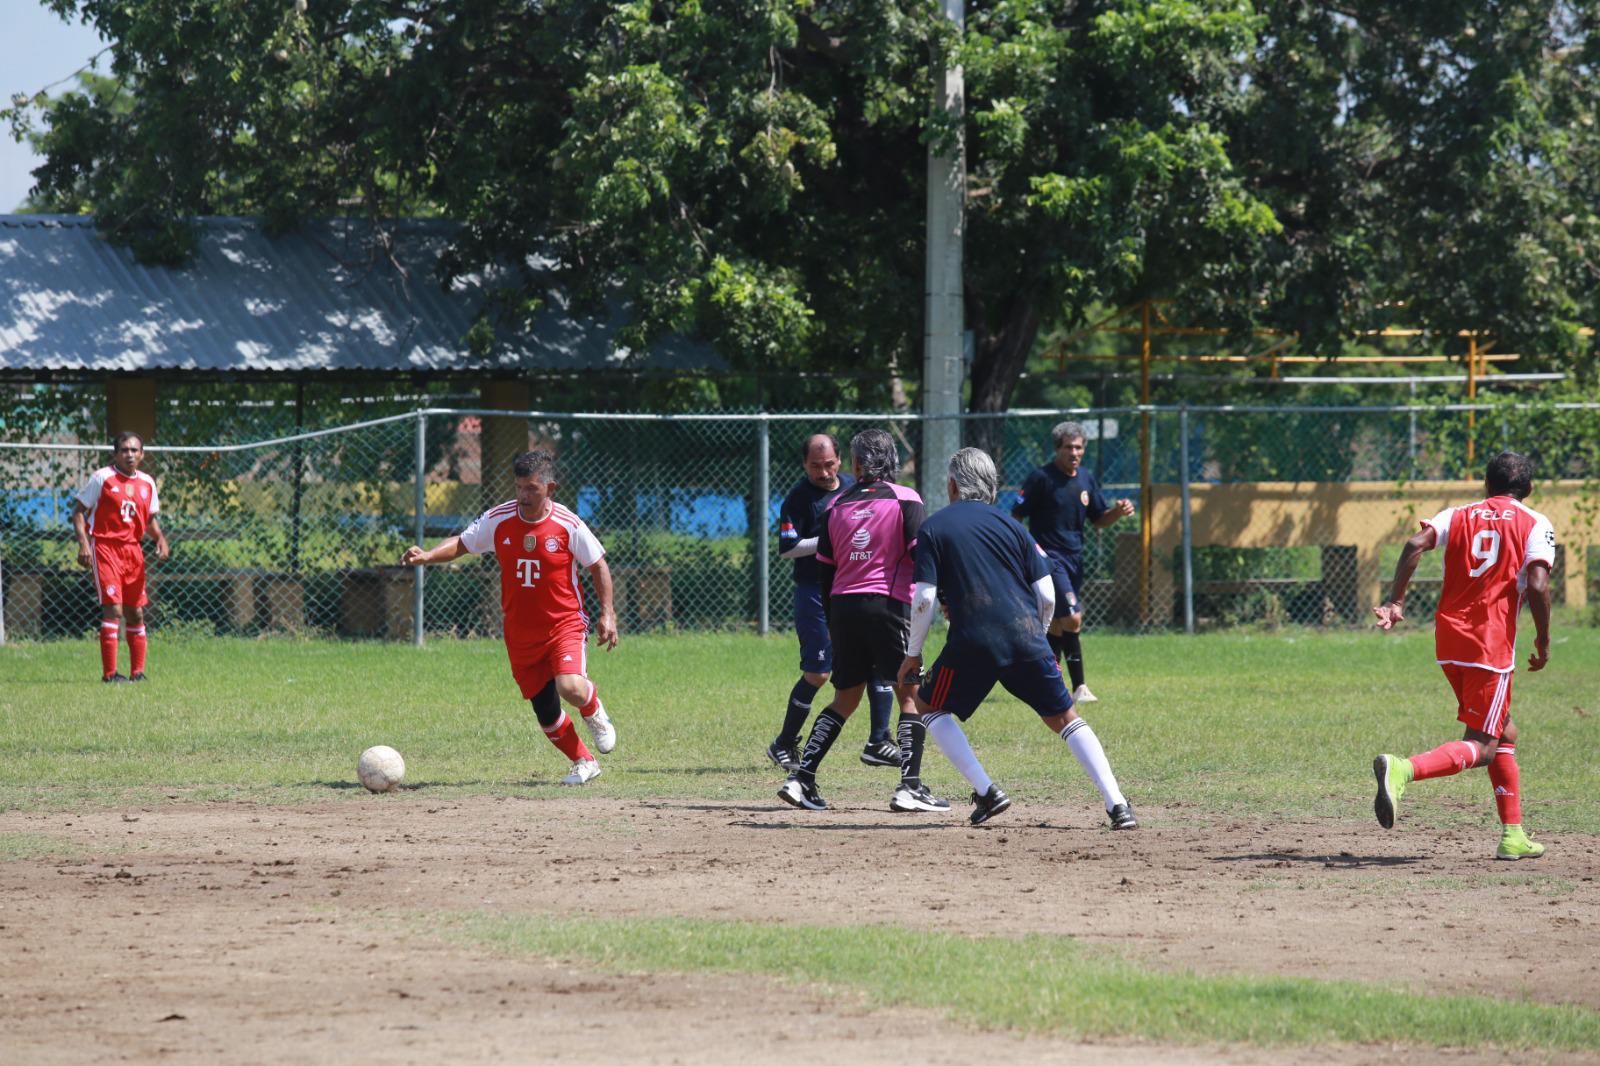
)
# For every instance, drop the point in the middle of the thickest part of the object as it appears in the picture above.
(1497, 552)
(864, 550)
(539, 546)
(114, 509)
(798, 524)
(1058, 500)
(996, 585)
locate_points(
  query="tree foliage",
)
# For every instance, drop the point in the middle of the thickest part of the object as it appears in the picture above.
(754, 171)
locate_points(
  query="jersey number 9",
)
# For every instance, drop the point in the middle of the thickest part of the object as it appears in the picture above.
(1486, 549)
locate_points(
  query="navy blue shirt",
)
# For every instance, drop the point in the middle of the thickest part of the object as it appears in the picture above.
(985, 565)
(801, 518)
(1059, 508)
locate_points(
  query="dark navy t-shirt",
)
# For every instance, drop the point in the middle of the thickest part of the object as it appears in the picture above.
(1059, 508)
(985, 565)
(801, 518)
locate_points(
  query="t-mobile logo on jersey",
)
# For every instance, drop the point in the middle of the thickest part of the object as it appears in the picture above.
(528, 572)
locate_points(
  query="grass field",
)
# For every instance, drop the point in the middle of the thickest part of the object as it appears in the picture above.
(1270, 724)
(1259, 727)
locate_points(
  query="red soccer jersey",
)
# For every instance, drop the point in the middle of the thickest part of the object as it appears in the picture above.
(1488, 547)
(539, 561)
(119, 506)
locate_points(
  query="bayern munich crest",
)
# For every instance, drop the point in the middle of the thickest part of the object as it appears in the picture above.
(529, 542)
(551, 544)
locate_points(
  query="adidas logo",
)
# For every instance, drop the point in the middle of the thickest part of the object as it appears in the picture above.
(1501, 790)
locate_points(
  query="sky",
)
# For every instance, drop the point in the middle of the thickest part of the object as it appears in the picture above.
(36, 49)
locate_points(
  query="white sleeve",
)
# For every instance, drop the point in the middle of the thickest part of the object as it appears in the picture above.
(1441, 526)
(801, 548)
(1541, 544)
(586, 547)
(1044, 597)
(478, 538)
(155, 501)
(89, 495)
(923, 599)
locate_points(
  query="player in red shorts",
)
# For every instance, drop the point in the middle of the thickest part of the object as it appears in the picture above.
(1496, 553)
(110, 515)
(540, 546)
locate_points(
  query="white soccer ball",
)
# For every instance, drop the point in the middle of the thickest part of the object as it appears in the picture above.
(380, 768)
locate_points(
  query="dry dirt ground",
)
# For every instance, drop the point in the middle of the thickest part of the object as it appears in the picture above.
(201, 933)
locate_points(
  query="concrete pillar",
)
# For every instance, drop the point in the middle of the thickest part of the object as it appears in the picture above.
(503, 438)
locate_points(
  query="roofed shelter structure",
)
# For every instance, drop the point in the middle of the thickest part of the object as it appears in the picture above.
(336, 298)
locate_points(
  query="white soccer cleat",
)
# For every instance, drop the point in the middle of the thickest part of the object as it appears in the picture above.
(583, 771)
(1083, 695)
(601, 729)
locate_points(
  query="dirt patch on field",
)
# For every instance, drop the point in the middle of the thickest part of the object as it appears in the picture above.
(197, 933)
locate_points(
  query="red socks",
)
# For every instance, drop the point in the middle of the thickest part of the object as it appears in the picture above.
(136, 648)
(588, 709)
(1444, 761)
(108, 646)
(1507, 781)
(565, 737)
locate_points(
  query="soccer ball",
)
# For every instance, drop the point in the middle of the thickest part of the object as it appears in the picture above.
(380, 768)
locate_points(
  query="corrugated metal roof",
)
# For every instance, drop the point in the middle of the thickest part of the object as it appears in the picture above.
(322, 298)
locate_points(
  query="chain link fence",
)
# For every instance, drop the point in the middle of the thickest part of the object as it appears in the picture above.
(1248, 515)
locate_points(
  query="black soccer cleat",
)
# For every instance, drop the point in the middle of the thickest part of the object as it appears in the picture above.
(881, 753)
(915, 796)
(988, 805)
(802, 794)
(114, 679)
(783, 757)
(139, 677)
(1122, 817)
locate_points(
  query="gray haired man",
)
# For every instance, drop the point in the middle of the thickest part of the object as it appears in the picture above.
(996, 584)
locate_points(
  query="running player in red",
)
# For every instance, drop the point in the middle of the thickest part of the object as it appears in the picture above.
(540, 545)
(110, 515)
(1496, 553)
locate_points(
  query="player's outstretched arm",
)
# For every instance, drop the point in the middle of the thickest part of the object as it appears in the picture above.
(1395, 609)
(81, 528)
(605, 630)
(1539, 608)
(445, 551)
(1118, 510)
(163, 549)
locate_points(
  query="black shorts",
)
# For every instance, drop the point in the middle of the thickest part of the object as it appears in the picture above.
(869, 634)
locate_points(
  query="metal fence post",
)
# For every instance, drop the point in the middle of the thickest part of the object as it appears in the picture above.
(1188, 531)
(422, 511)
(763, 501)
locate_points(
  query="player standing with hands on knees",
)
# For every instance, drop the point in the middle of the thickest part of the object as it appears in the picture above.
(1496, 553)
(110, 515)
(540, 545)
(996, 583)
(1058, 501)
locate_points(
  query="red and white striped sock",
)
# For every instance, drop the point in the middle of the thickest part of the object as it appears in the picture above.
(588, 709)
(136, 649)
(1446, 760)
(564, 735)
(109, 627)
(1507, 781)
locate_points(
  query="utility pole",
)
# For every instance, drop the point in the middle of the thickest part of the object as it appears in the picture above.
(944, 320)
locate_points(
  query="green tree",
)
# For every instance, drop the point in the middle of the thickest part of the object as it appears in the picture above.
(752, 171)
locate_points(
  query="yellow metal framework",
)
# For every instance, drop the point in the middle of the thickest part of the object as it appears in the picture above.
(1153, 322)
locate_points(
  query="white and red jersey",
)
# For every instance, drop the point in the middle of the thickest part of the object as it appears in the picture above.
(1488, 547)
(540, 598)
(119, 505)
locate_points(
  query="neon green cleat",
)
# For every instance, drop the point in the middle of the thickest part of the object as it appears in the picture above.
(1393, 774)
(1514, 844)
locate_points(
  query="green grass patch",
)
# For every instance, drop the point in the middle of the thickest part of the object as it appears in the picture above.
(1040, 984)
(1263, 725)
(14, 846)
